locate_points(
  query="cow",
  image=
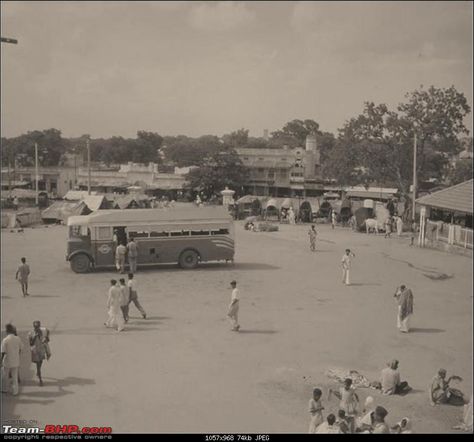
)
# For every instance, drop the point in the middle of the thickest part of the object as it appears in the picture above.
(371, 224)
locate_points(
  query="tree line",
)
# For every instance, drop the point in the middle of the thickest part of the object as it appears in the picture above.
(372, 148)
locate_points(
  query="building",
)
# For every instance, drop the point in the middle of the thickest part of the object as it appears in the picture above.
(119, 179)
(56, 181)
(446, 216)
(283, 172)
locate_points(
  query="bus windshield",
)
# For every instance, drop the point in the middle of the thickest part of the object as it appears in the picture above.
(78, 231)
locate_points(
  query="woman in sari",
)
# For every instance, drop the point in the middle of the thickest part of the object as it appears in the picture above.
(442, 393)
(404, 298)
(39, 344)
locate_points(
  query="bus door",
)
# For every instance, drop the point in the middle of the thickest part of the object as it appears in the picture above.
(120, 236)
(104, 246)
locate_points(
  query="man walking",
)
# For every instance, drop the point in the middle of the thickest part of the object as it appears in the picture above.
(125, 300)
(312, 238)
(132, 255)
(11, 349)
(346, 266)
(114, 303)
(22, 276)
(404, 298)
(132, 287)
(120, 253)
(233, 312)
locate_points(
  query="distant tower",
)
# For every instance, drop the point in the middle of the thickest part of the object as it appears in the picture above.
(312, 157)
(265, 134)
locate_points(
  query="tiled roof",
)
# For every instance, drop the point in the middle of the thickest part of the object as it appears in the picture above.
(457, 198)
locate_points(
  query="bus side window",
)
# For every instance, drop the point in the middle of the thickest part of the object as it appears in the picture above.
(180, 233)
(199, 232)
(141, 234)
(220, 232)
(155, 234)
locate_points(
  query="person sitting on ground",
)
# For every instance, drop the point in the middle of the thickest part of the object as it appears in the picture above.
(328, 427)
(403, 427)
(442, 393)
(380, 427)
(343, 424)
(390, 380)
(366, 422)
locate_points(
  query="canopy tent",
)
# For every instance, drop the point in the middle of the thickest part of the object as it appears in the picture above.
(306, 212)
(272, 209)
(286, 204)
(62, 210)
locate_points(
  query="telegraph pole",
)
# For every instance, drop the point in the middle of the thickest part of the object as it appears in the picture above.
(36, 174)
(88, 166)
(11, 41)
(414, 177)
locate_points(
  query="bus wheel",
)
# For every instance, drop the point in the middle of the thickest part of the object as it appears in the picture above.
(80, 263)
(189, 259)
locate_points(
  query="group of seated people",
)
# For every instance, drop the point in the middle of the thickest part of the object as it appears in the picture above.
(372, 418)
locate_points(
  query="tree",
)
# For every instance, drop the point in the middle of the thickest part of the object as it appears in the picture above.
(217, 171)
(237, 138)
(377, 146)
(51, 147)
(294, 133)
(185, 151)
(461, 172)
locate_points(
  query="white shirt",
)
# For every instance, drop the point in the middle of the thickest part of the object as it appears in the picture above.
(132, 285)
(235, 294)
(115, 297)
(11, 346)
(346, 261)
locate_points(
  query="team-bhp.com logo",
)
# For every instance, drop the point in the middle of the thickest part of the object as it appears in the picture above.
(56, 429)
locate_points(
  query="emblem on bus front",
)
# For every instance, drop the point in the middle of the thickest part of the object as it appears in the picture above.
(104, 249)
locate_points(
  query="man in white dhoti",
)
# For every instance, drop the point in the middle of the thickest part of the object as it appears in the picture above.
(404, 298)
(114, 302)
(399, 226)
(233, 312)
(346, 266)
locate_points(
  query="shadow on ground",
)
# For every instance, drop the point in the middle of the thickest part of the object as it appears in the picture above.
(256, 332)
(427, 330)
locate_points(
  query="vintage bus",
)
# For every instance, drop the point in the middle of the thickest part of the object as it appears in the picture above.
(183, 235)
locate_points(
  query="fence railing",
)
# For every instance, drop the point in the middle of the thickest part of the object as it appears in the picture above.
(449, 233)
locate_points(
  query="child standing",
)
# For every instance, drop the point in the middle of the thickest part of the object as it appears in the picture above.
(348, 401)
(316, 411)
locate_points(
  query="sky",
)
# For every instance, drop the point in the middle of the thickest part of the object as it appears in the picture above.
(195, 68)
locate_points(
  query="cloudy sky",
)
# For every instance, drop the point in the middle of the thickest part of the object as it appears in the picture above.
(112, 68)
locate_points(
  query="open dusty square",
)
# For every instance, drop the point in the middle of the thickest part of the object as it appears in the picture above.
(183, 370)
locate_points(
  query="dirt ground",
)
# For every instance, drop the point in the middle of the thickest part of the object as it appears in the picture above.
(182, 370)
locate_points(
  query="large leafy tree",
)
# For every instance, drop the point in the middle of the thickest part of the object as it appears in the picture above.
(21, 149)
(217, 171)
(185, 151)
(294, 133)
(377, 146)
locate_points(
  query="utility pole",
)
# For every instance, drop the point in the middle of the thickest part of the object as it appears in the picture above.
(88, 166)
(9, 177)
(36, 174)
(414, 177)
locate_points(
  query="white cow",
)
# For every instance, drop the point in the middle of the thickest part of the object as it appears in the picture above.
(371, 224)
